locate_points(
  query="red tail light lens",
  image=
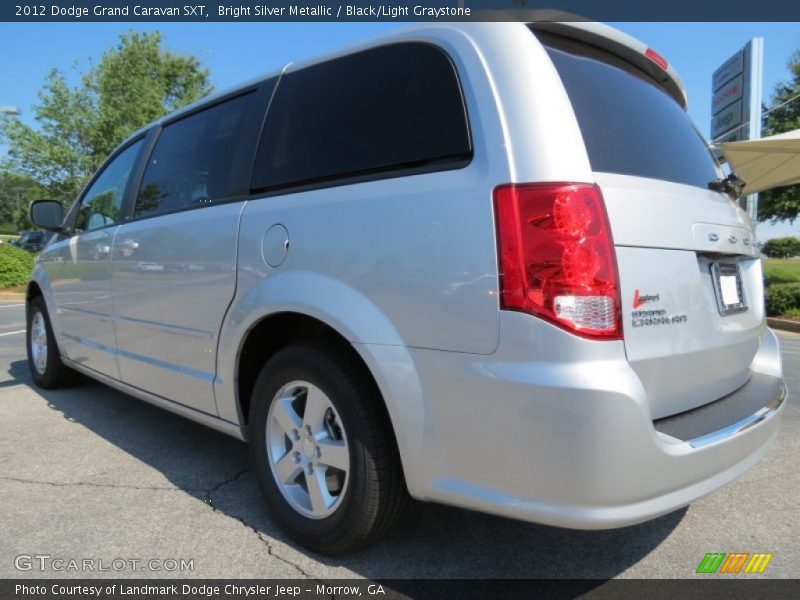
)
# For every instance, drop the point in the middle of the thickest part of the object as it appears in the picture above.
(557, 257)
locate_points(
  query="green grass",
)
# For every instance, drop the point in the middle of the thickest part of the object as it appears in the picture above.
(782, 280)
(781, 270)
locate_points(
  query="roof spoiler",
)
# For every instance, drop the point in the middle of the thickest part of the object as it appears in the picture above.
(623, 46)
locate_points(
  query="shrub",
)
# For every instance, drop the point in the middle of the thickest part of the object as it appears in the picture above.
(784, 247)
(782, 298)
(774, 275)
(15, 266)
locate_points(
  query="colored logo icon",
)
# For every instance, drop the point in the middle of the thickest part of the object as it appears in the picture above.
(735, 562)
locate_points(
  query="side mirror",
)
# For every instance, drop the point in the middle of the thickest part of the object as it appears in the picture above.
(46, 214)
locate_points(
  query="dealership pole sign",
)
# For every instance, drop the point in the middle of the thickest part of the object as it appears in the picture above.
(736, 101)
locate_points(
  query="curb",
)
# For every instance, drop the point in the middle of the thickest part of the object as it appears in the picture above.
(12, 297)
(784, 324)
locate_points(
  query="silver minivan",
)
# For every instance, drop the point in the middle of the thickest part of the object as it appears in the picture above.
(488, 265)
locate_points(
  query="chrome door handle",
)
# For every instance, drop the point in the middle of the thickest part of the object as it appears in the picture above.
(128, 247)
(101, 250)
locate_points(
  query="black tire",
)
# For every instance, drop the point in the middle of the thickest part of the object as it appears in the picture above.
(375, 497)
(56, 374)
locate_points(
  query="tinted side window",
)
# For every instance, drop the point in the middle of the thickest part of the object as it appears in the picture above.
(389, 108)
(101, 203)
(193, 158)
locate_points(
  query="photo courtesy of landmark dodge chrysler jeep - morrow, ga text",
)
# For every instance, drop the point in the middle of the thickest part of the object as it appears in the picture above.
(485, 265)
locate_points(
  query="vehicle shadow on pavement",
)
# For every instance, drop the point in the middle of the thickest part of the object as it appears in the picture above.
(440, 542)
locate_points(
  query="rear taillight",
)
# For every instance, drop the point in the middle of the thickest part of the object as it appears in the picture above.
(557, 257)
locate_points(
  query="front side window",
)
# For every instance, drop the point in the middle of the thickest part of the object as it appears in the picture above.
(387, 109)
(193, 158)
(101, 204)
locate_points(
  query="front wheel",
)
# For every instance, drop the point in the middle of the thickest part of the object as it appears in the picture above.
(44, 361)
(323, 450)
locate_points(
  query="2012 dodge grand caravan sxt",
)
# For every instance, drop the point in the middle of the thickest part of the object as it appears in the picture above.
(481, 265)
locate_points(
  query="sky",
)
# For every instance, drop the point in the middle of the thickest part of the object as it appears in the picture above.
(235, 52)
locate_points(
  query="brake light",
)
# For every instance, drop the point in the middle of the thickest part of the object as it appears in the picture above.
(656, 58)
(556, 256)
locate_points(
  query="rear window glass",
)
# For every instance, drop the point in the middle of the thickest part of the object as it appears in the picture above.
(630, 126)
(382, 110)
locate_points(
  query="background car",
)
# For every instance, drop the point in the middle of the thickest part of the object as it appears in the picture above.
(33, 241)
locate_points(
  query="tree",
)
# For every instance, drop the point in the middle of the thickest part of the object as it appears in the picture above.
(785, 247)
(134, 82)
(21, 220)
(783, 204)
(16, 193)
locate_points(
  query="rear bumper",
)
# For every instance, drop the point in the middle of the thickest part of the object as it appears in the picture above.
(754, 402)
(572, 443)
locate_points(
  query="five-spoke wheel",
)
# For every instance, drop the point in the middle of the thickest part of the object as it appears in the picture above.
(307, 448)
(38, 342)
(322, 448)
(44, 360)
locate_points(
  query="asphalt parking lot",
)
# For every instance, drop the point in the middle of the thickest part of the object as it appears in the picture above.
(88, 472)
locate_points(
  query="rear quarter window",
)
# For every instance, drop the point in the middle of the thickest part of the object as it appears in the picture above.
(381, 111)
(631, 126)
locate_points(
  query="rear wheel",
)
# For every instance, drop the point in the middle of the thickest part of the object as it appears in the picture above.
(323, 450)
(44, 360)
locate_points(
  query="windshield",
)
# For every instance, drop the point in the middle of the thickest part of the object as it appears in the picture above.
(630, 125)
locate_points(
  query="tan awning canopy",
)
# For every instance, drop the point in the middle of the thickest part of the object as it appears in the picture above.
(766, 162)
